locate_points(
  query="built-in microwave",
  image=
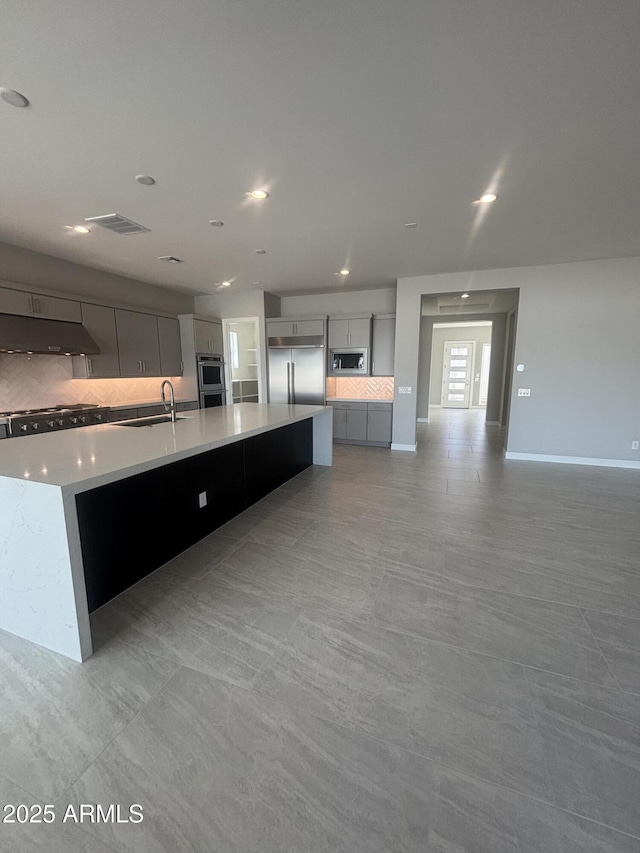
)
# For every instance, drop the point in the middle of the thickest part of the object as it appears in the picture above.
(349, 362)
(210, 373)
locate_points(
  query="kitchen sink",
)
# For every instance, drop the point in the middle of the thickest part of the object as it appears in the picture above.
(151, 421)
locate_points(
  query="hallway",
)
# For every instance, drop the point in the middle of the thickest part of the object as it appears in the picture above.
(434, 652)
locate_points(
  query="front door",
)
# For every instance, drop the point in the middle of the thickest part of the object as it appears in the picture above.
(456, 374)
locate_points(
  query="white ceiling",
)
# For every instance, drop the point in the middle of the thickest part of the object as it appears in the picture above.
(358, 115)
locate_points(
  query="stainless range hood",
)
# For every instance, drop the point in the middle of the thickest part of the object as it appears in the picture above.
(44, 337)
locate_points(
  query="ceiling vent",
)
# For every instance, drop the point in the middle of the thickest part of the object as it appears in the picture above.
(118, 224)
(170, 259)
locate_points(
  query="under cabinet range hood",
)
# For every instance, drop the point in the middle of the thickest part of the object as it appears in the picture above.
(44, 337)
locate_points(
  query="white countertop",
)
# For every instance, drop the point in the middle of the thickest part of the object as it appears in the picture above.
(88, 457)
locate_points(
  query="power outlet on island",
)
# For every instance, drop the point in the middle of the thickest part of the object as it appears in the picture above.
(202, 500)
(635, 445)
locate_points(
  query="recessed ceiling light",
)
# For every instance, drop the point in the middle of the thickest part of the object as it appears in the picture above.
(260, 195)
(217, 223)
(225, 284)
(147, 180)
(80, 229)
(410, 225)
(261, 251)
(344, 272)
(14, 98)
(464, 296)
(487, 198)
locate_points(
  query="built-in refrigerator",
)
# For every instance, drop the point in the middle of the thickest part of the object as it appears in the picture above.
(297, 370)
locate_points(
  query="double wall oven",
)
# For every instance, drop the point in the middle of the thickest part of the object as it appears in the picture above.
(211, 385)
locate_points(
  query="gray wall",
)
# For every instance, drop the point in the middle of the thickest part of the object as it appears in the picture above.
(578, 338)
(32, 269)
(381, 301)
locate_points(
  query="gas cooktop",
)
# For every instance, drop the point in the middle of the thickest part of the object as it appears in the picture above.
(33, 421)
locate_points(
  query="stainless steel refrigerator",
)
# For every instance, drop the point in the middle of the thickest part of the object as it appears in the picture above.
(297, 370)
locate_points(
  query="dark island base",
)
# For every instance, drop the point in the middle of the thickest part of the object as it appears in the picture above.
(132, 527)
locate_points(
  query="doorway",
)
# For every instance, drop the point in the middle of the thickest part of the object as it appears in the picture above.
(242, 358)
(460, 364)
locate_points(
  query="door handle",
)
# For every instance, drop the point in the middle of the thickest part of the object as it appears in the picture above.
(288, 382)
(293, 381)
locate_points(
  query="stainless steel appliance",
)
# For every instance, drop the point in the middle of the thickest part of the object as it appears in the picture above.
(349, 362)
(212, 399)
(296, 370)
(34, 421)
(48, 337)
(210, 373)
(211, 384)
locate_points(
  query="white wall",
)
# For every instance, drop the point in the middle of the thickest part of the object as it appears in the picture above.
(33, 269)
(380, 301)
(579, 337)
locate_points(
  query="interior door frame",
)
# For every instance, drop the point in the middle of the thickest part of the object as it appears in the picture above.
(226, 322)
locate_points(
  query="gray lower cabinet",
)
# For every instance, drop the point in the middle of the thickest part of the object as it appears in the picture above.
(100, 322)
(137, 343)
(170, 350)
(362, 423)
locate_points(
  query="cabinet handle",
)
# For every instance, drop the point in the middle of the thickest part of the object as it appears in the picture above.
(38, 308)
(373, 367)
(89, 366)
(139, 366)
(30, 303)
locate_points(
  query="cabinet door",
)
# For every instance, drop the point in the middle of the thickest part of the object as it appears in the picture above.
(138, 349)
(216, 338)
(384, 343)
(357, 424)
(360, 332)
(16, 302)
(208, 336)
(100, 322)
(379, 426)
(279, 329)
(169, 342)
(304, 328)
(338, 334)
(339, 422)
(57, 309)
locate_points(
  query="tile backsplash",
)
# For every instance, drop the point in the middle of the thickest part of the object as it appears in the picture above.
(37, 381)
(361, 387)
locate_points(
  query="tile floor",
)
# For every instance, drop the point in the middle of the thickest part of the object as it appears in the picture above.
(434, 652)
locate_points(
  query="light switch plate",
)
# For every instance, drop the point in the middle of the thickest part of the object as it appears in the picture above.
(524, 392)
(202, 500)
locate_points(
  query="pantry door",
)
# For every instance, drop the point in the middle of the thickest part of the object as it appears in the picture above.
(457, 372)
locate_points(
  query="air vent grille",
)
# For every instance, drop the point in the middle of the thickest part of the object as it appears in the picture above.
(118, 224)
(170, 259)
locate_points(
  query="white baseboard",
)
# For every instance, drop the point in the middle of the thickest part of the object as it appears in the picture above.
(493, 423)
(410, 447)
(573, 460)
(423, 420)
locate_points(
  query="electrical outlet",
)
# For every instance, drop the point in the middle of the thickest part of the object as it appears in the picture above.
(524, 392)
(202, 500)
(404, 389)
(635, 445)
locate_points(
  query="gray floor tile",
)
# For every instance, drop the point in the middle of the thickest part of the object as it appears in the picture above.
(592, 743)
(614, 630)
(218, 768)
(56, 716)
(537, 633)
(465, 710)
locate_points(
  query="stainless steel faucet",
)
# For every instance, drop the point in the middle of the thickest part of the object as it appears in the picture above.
(172, 399)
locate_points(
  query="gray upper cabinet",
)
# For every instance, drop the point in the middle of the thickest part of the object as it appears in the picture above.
(208, 336)
(294, 328)
(170, 351)
(350, 332)
(383, 346)
(36, 305)
(100, 322)
(138, 348)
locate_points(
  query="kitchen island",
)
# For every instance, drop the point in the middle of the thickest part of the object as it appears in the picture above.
(85, 513)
